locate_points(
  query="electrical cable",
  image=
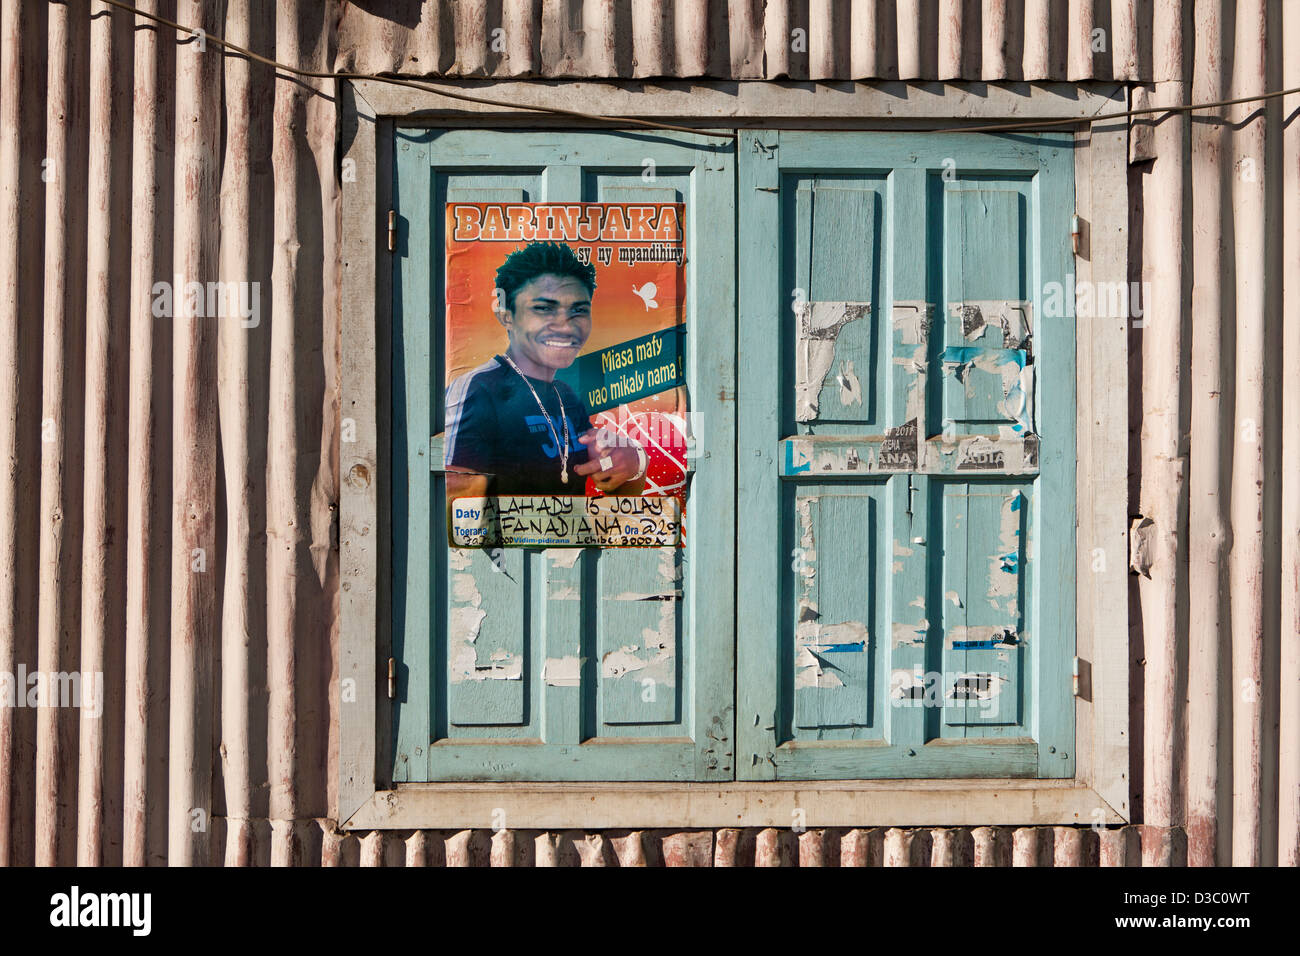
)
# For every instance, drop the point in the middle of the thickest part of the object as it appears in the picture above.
(1101, 117)
(399, 81)
(651, 124)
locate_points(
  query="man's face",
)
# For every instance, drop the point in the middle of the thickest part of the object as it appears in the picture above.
(551, 320)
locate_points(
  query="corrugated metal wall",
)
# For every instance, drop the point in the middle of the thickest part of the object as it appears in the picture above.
(167, 513)
(753, 39)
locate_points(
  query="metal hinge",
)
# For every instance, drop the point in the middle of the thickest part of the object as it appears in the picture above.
(392, 230)
(1074, 669)
(392, 679)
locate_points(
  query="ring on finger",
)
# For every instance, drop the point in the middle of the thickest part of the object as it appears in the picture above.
(606, 463)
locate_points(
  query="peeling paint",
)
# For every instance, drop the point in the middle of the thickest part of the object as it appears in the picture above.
(1019, 402)
(812, 668)
(628, 660)
(503, 666)
(563, 557)
(462, 652)
(566, 592)
(464, 589)
(909, 635)
(848, 635)
(656, 659)
(642, 596)
(465, 623)
(850, 386)
(820, 324)
(901, 551)
(463, 665)
(1011, 320)
(625, 660)
(460, 662)
(955, 598)
(817, 677)
(669, 568)
(804, 508)
(914, 410)
(912, 321)
(1012, 366)
(813, 639)
(458, 559)
(1004, 563)
(958, 360)
(907, 684)
(562, 671)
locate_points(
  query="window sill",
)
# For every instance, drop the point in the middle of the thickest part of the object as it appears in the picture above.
(846, 803)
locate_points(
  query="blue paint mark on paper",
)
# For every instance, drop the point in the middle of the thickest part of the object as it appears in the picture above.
(960, 354)
(790, 467)
(1005, 641)
(856, 647)
(967, 354)
(1011, 562)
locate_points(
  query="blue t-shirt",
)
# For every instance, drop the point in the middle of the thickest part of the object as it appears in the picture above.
(494, 427)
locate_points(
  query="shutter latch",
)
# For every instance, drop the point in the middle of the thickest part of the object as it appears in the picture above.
(392, 679)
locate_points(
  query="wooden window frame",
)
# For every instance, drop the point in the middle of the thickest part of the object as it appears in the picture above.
(1098, 794)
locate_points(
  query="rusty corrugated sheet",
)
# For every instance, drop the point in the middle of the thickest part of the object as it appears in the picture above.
(167, 510)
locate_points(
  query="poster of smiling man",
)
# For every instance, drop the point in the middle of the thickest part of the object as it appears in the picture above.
(565, 411)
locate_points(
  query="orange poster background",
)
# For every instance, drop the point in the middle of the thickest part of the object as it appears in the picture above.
(473, 334)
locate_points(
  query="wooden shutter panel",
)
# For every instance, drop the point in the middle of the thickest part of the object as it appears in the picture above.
(543, 635)
(907, 438)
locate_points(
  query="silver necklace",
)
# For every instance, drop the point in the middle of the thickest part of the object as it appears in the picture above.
(564, 454)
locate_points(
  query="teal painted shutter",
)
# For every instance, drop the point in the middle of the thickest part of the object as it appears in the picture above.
(906, 457)
(539, 607)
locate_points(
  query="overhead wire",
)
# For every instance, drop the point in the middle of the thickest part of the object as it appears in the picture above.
(425, 86)
(402, 81)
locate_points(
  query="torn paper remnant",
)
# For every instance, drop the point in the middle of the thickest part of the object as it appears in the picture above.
(820, 324)
(562, 671)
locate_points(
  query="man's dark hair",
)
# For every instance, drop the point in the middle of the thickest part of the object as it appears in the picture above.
(540, 258)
